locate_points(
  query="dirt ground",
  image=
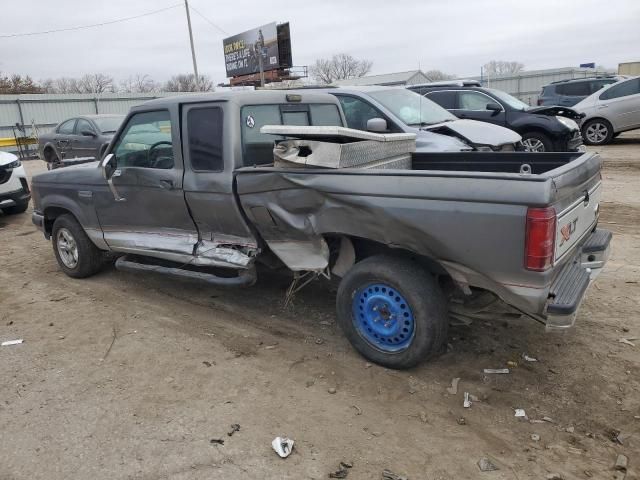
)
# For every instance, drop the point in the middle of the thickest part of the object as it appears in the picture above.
(188, 361)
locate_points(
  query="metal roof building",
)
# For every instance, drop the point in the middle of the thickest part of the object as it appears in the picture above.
(410, 77)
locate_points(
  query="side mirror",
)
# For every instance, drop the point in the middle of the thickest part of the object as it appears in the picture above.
(108, 166)
(494, 107)
(377, 125)
(88, 133)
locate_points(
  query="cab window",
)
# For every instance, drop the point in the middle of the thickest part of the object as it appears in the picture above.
(204, 127)
(146, 141)
(358, 112)
(67, 127)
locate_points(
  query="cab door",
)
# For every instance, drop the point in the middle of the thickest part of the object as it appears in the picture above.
(473, 105)
(143, 210)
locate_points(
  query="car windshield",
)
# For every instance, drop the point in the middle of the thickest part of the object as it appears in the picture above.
(108, 124)
(513, 102)
(411, 107)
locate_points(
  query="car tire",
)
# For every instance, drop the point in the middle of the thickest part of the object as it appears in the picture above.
(76, 254)
(392, 311)
(597, 132)
(16, 209)
(537, 142)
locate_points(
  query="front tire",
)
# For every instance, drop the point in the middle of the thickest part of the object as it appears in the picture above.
(537, 142)
(392, 311)
(597, 132)
(76, 254)
(16, 209)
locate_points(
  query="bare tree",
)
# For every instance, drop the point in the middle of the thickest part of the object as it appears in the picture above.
(339, 67)
(501, 67)
(139, 84)
(16, 84)
(60, 85)
(438, 75)
(186, 83)
(96, 83)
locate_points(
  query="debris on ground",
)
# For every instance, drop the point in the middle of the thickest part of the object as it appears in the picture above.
(319, 341)
(342, 471)
(486, 465)
(520, 413)
(8, 343)
(548, 419)
(453, 389)
(234, 428)
(358, 409)
(535, 437)
(461, 421)
(614, 436)
(496, 370)
(216, 441)
(207, 364)
(554, 476)
(627, 341)
(621, 463)
(570, 429)
(512, 364)
(283, 446)
(527, 358)
(368, 365)
(423, 417)
(332, 390)
(389, 475)
(467, 400)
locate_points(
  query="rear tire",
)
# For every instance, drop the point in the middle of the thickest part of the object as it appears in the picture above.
(76, 254)
(16, 209)
(597, 132)
(392, 311)
(537, 142)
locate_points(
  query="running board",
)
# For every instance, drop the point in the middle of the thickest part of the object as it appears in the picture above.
(245, 278)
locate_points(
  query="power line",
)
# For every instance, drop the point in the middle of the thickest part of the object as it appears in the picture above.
(81, 27)
(209, 21)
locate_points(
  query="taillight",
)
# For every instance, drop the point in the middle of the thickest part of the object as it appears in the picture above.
(540, 238)
(539, 101)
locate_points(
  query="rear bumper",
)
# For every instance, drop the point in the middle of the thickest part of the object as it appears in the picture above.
(568, 290)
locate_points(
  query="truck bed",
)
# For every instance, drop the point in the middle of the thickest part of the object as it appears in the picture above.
(467, 211)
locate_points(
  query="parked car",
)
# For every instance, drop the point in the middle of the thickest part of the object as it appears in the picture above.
(400, 240)
(569, 92)
(611, 111)
(543, 129)
(85, 138)
(397, 110)
(14, 189)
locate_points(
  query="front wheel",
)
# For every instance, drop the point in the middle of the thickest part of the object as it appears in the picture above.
(597, 132)
(536, 142)
(76, 254)
(392, 311)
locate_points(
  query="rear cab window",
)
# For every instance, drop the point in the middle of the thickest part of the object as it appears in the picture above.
(257, 148)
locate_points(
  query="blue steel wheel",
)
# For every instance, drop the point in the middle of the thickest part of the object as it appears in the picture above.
(383, 317)
(392, 311)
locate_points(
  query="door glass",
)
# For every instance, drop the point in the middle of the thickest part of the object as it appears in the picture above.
(473, 101)
(358, 112)
(623, 89)
(146, 141)
(83, 126)
(67, 127)
(204, 127)
(445, 99)
(576, 89)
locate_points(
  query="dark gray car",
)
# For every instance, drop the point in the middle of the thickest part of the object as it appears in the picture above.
(84, 137)
(567, 93)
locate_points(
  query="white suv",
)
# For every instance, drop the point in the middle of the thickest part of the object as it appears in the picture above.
(14, 189)
(610, 111)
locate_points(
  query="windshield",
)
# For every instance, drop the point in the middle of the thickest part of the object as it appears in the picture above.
(411, 107)
(513, 102)
(108, 124)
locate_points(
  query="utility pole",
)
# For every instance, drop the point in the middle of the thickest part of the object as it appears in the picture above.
(193, 50)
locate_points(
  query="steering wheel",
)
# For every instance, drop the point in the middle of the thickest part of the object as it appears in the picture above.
(152, 164)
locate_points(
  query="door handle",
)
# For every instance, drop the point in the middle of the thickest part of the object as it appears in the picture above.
(166, 184)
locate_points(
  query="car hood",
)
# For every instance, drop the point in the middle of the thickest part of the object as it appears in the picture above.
(477, 133)
(435, 142)
(556, 110)
(6, 158)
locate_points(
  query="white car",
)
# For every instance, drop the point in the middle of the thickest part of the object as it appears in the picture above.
(14, 188)
(610, 111)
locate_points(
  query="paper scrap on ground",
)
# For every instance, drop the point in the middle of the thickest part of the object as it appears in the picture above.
(453, 389)
(283, 446)
(520, 413)
(12, 342)
(496, 370)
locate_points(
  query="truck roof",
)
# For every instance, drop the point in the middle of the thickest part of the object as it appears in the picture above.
(242, 97)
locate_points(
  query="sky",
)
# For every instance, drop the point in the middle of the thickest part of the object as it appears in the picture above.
(455, 36)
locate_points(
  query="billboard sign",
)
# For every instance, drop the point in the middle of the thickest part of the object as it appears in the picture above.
(241, 52)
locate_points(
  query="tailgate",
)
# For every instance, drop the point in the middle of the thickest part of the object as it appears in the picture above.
(576, 221)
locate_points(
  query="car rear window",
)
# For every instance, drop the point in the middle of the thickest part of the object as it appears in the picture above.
(574, 89)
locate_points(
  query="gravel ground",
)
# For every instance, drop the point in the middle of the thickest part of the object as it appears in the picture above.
(188, 361)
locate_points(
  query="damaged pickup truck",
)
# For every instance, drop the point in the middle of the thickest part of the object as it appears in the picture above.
(189, 188)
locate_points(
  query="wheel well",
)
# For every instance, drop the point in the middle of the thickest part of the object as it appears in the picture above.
(50, 215)
(365, 248)
(525, 130)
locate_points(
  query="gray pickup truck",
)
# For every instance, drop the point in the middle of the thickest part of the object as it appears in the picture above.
(188, 188)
